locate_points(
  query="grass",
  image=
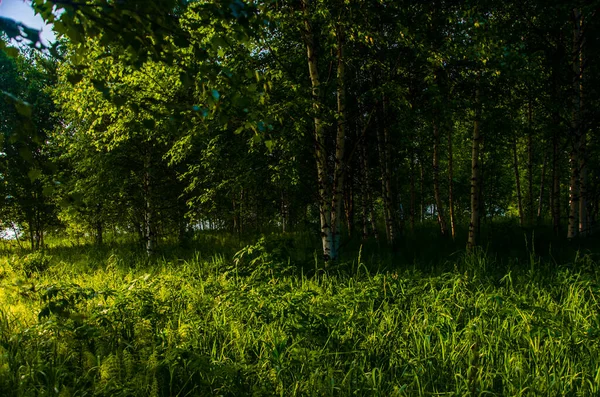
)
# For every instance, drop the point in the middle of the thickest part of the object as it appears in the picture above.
(88, 322)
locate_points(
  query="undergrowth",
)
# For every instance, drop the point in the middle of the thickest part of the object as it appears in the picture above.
(260, 324)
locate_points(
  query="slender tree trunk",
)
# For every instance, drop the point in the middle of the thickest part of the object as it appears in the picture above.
(475, 175)
(99, 233)
(235, 229)
(364, 187)
(31, 237)
(518, 183)
(574, 160)
(578, 69)
(386, 184)
(436, 180)
(367, 191)
(149, 210)
(422, 191)
(99, 225)
(340, 144)
(542, 185)
(482, 185)
(363, 213)
(530, 213)
(390, 212)
(38, 228)
(284, 212)
(320, 151)
(573, 193)
(451, 185)
(583, 187)
(555, 198)
(413, 193)
(349, 205)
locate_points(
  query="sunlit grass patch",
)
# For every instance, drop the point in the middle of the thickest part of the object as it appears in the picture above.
(208, 325)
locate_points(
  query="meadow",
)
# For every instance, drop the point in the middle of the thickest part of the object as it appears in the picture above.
(269, 319)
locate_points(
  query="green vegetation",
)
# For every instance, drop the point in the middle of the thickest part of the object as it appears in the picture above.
(79, 321)
(308, 197)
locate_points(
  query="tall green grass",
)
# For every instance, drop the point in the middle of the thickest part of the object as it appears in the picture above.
(260, 323)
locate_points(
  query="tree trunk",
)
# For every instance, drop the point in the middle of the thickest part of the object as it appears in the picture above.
(31, 237)
(555, 197)
(284, 212)
(578, 69)
(422, 191)
(542, 185)
(99, 233)
(518, 183)
(386, 183)
(367, 191)
(574, 160)
(530, 165)
(320, 151)
(235, 229)
(573, 192)
(475, 176)
(363, 209)
(149, 216)
(413, 193)
(436, 180)
(349, 205)
(451, 185)
(583, 186)
(340, 144)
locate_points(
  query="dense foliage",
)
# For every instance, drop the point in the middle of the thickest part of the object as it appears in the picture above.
(356, 118)
(225, 197)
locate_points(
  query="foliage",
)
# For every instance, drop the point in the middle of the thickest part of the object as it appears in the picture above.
(188, 328)
(29, 264)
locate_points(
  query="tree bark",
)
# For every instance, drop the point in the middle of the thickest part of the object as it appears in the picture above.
(340, 145)
(422, 191)
(325, 192)
(583, 187)
(349, 205)
(99, 233)
(451, 185)
(475, 175)
(574, 160)
(555, 197)
(149, 210)
(386, 183)
(530, 165)
(578, 69)
(518, 183)
(284, 212)
(413, 194)
(542, 185)
(367, 191)
(436, 180)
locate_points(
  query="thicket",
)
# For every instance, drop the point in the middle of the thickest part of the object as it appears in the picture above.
(269, 320)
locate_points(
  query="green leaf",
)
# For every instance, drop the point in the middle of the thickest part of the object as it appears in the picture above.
(34, 174)
(23, 108)
(11, 52)
(269, 144)
(48, 191)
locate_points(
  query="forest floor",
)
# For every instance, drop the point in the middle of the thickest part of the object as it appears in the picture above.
(84, 321)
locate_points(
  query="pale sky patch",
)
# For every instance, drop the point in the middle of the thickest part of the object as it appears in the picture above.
(21, 11)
